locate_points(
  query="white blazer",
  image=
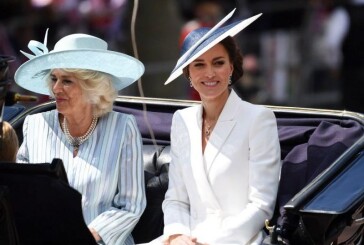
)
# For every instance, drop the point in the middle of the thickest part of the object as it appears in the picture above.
(224, 195)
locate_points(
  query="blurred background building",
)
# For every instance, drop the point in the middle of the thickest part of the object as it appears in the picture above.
(296, 54)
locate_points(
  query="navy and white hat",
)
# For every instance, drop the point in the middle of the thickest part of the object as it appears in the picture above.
(78, 51)
(200, 40)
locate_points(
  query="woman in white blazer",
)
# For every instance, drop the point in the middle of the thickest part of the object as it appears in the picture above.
(225, 165)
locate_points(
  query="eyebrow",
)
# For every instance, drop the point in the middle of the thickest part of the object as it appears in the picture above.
(62, 76)
(216, 58)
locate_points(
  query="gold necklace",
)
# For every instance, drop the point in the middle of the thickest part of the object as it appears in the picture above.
(208, 128)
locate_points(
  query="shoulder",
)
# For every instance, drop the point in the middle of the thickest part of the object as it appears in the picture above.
(187, 112)
(257, 109)
(40, 122)
(255, 113)
(184, 117)
(118, 116)
(42, 116)
(118, 120)
(246, 109)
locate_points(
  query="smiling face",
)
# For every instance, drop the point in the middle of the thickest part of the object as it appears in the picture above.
(210, 73)
(68, 93)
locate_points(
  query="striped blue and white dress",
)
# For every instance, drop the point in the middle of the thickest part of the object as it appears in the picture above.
(107, 171)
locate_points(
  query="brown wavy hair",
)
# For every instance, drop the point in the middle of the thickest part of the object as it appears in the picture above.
(9, 143)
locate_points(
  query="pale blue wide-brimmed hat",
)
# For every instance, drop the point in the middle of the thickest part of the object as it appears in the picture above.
(200, 40)
(78, 51)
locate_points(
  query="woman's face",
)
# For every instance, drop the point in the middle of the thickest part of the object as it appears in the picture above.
(210, 73)
(68, 93)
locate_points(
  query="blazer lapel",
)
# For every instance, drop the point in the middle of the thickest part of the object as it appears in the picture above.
(222, 130)
(197, 164)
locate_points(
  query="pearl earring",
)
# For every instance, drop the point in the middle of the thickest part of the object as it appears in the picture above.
(189, 78)
(230, 82)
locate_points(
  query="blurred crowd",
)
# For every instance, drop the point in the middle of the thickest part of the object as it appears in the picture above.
(300, 53)
(25, 20)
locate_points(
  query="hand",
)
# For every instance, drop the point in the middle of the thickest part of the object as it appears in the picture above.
(180, 239)
(95, 234)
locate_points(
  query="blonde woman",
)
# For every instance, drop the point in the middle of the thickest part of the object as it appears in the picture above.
(101, 149)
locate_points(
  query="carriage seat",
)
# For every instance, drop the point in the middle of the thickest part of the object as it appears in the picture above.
(156, 161)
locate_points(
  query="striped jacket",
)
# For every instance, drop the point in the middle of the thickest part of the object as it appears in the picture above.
(108, 170)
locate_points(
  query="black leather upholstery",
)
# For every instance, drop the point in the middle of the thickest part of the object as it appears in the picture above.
(156, 161)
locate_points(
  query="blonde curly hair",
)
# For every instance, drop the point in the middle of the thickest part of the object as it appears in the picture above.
(97, 88)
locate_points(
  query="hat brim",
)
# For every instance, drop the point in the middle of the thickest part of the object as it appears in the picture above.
(208, 41)
(124, 69)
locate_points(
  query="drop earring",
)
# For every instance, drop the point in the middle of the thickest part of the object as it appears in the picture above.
(230, 82)
(189, 78)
